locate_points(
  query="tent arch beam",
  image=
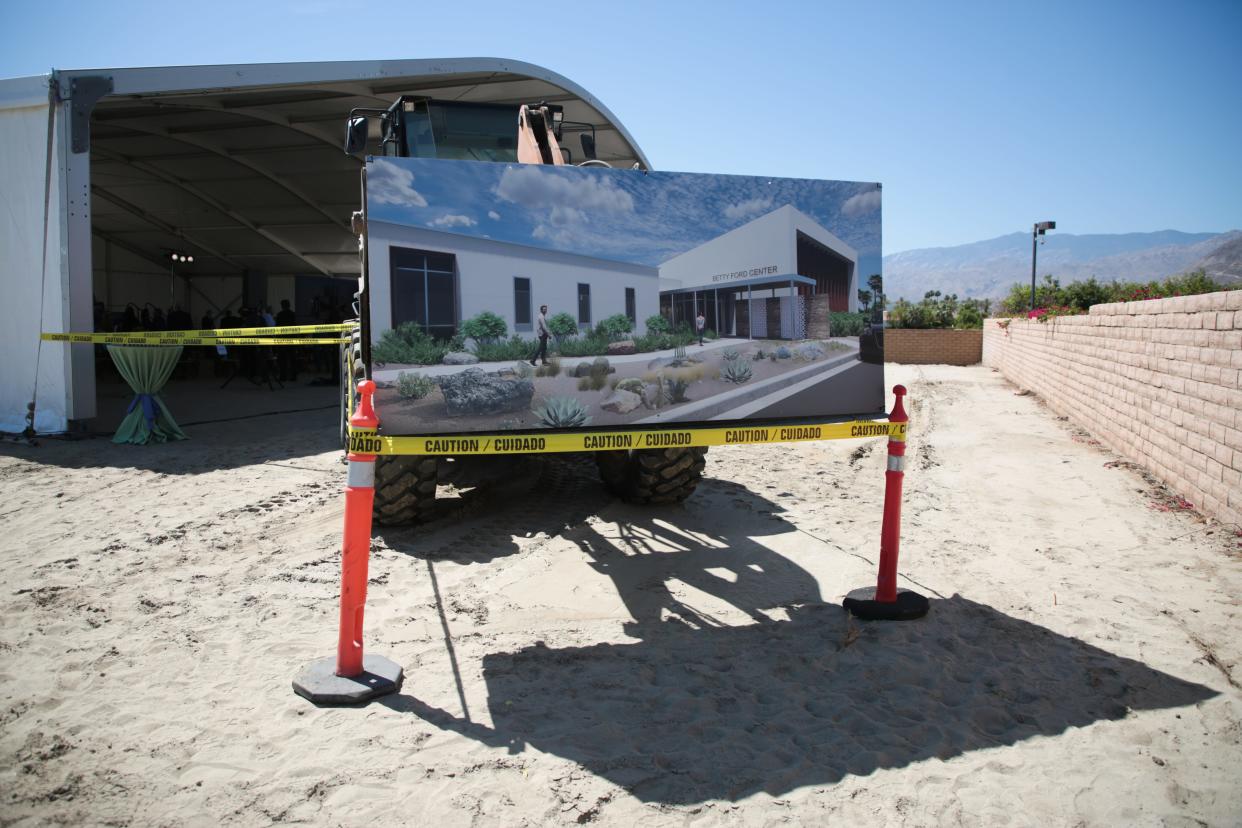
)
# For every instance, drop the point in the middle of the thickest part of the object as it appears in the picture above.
(212, 201)
(259, 169)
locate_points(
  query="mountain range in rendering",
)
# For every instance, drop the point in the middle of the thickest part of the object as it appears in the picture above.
(987, 269)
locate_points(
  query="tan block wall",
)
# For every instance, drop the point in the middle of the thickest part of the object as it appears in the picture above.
(932, 346)
(1156, 381)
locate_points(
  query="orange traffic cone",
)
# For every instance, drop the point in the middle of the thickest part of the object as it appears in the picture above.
(885, 602)
(352, 677)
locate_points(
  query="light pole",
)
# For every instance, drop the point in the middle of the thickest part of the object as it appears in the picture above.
(1040, 228)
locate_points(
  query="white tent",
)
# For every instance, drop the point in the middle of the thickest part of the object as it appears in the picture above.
(239, 166)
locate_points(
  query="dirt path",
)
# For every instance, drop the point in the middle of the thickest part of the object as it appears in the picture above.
(570, 659)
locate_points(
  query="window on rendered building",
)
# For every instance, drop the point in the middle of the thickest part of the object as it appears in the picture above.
(521, 303)
(424, 290)
(584, 304)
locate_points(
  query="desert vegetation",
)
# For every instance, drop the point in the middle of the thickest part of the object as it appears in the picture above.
(936, 310)
(486, 336)
(1053, 299)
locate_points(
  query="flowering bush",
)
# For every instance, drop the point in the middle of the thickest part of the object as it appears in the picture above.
(1044, 314)
(1082, 295)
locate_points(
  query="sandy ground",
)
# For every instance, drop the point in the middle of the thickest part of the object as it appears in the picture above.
(570, 659)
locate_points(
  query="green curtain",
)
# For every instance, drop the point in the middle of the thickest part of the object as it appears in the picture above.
(146, 369)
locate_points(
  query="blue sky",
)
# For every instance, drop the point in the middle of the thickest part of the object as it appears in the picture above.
(978, 118)
(622, 215)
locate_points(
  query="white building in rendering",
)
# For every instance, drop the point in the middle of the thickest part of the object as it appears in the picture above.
(754, 281)
(757, 279)
(439, 279)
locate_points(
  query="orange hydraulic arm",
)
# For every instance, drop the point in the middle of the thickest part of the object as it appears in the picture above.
(536, 142)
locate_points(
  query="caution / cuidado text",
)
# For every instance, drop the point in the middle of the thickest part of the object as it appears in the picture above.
(364, 441)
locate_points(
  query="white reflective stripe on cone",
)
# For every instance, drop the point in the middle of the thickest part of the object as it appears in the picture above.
(896, 463)
(361, 474)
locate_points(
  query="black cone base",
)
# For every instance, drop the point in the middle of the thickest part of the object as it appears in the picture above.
(909, 605)
(319, 682)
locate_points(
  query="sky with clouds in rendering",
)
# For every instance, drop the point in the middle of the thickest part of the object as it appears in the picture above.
(623, 215)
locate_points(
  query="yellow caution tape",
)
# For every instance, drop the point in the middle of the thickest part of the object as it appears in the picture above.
(178, 338)
(163, 337)
(363, 441)
(286, 330)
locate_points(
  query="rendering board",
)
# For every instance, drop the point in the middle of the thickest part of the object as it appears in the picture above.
(527, 298)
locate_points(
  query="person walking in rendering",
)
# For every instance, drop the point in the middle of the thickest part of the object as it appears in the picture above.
(699, 322)
(541, 328)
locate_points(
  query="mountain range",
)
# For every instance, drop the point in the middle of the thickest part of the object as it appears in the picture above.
(987, 269)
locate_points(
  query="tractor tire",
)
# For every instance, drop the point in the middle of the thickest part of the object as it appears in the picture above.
(652, 475)
(405, 489)
(405, 486)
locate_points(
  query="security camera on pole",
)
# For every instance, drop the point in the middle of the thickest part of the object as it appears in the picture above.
(1040, 228)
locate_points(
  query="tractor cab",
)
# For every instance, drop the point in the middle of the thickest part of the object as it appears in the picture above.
(419, 127)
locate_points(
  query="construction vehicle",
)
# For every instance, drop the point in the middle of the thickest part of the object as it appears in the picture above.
(416, 127)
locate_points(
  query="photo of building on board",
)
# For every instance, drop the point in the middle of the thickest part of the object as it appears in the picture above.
(532, 297)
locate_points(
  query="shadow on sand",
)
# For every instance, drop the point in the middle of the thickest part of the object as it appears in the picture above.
(696, 710)
(690, 715)
(279, 436)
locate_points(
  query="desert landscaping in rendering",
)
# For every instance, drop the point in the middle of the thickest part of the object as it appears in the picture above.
(685, 383)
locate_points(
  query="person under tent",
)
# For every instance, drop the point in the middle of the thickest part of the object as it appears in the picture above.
(287, 357)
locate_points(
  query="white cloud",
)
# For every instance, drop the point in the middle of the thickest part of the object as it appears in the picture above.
(558, 238)
(389, 184)
(862, 203)
(493, 215)
(562, 215)
(565, 205)
(750, 207)
(533, 188)
(567, 229)
(453, 221)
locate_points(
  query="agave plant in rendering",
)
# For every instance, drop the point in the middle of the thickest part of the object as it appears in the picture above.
(562, 412)
(736, 371)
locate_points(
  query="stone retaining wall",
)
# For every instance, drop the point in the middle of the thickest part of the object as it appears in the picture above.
(1156, 381)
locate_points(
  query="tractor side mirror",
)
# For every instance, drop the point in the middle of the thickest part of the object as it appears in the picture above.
(588, 145)
(356, 135)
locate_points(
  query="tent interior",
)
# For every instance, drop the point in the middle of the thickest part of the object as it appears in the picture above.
(204, 201)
